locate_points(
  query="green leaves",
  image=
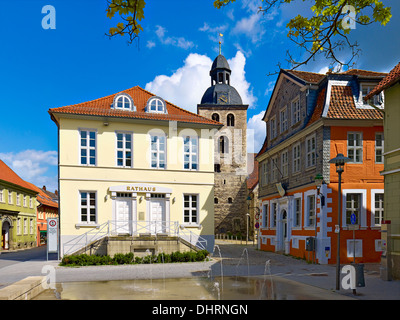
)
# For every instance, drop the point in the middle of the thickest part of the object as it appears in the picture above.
(130, 12)
(326, 30)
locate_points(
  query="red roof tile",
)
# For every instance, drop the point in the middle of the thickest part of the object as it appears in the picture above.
(9, 175)
(307, 76)
(364, 73)
(342, 106)
(252, 179)
(319, 108)
(102, 107)
(42, 197)
(389, 80)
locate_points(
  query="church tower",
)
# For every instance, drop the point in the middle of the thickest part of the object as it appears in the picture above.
(221, 102)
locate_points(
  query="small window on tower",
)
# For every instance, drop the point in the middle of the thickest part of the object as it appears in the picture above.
(215, 117)
(230, 120)
(220, 78)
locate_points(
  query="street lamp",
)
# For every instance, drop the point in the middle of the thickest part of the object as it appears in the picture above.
(339, 162)
(318, 182)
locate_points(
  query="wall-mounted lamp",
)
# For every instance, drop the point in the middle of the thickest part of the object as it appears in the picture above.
(318, 182)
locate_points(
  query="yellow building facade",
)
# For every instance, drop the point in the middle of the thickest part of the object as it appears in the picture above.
(133, 164)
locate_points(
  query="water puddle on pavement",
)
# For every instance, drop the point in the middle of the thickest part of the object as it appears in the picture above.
(195, 288)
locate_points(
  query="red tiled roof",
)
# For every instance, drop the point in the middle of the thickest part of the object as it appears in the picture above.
(389, 80)
(42, 197)
(319, 107)
(9, 175)
(102, 107)
(342, 106)
(252, 179)
(364, 73)
(307, 76)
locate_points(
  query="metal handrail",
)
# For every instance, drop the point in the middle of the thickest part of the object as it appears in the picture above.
(133, 228)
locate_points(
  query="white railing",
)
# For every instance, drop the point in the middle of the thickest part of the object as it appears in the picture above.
(134, 229)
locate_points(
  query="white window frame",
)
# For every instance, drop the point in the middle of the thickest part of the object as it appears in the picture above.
(25, 225)
(297, 211)
(272, 127)
(31, 225)
(160, 106)
(190, 153)
(88, 207)
(18, 199)
(124, 149)
(10, 198)
(377, 211)
(355, 148)
(295, 107)
(18, 226)
(264, 217)
(273, 214)
(377, 99)
(88, 148)
(31, 202)
(311, 148)
(158, 151)
(126, 103)
(380, 148)
(308, 195)
(296, 152)
(283, 117)
(264, 176)
(24, 201)
(362, 219)
(190, 208)
(2, 195)
(285, 163)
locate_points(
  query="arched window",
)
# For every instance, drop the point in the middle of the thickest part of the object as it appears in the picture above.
(223, 144)
(156, 105)
(215, 117)
(123, 102)
(216, 200)
(230, 120)
(220, 77)
(229, 200)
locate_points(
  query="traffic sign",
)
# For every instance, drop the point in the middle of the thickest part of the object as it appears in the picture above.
(353, 218)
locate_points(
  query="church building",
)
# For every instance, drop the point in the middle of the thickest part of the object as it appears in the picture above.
(222, 103)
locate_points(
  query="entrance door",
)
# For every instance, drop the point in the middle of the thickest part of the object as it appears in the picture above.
(123, 216)
(157, 215)
(284, 231)
(5, 233)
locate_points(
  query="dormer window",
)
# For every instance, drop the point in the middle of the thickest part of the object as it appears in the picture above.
(156, 105)
(376, 100)
(123, 102)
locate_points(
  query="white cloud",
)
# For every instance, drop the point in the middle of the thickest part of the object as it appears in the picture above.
(186, 86)
(238, 79)
(34, 166)
(174, 41)
(150, 44)
(253, 26)
(256, 133)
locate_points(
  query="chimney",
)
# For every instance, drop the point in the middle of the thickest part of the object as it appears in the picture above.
(56, 192)
(44, 188)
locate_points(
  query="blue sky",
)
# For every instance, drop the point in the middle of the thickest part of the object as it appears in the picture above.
(76, 62)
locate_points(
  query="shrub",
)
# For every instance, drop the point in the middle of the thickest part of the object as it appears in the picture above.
(128, 258)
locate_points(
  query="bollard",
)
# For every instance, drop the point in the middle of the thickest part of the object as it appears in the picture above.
(360, 281)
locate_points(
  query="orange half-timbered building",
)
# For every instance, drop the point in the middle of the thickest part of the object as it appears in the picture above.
(310, 119)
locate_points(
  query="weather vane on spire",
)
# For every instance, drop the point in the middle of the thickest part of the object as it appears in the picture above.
(220, 38)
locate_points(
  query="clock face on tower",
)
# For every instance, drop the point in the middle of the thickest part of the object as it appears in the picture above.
(222, 98)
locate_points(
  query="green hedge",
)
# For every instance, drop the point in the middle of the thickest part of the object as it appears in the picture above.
(129, 258)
